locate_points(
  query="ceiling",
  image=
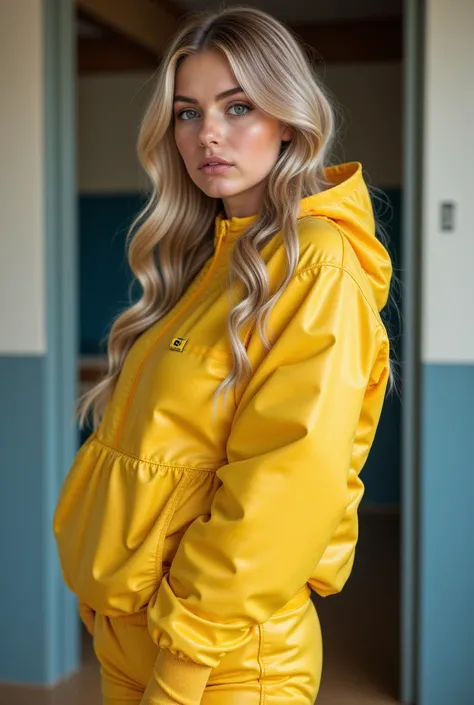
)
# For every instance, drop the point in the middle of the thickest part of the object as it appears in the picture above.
(86, 29)
(294, 12)
(299, 11)
(341, 30)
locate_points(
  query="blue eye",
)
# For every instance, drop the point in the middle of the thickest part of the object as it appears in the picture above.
(183, 113)
(241, 109)
(246, 108)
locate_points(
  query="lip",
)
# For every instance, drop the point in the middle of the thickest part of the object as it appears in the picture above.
(221, 162)
(216, 169)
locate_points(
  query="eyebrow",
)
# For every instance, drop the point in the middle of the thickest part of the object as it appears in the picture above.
(219, 96)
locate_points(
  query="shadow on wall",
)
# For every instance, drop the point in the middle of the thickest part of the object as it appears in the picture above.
(105, 281)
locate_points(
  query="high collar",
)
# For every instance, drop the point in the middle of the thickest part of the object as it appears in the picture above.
(347, 203)
(345, 179)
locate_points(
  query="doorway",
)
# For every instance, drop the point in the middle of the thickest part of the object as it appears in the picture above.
(362, 663)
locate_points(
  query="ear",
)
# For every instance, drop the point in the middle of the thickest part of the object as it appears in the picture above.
(287, 134)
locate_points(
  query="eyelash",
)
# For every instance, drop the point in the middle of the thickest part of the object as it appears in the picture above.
(186, 110)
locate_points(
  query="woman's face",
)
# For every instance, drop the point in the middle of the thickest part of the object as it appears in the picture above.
(214, 118)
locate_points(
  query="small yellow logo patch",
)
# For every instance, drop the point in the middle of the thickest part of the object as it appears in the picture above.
(178, 344)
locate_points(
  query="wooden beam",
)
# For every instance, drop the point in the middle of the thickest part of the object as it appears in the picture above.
(335, 42)
(113, 54)
(146, 22)
(355, 40)
(110, 51)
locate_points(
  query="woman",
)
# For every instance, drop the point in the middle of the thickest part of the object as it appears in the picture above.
(221, 483)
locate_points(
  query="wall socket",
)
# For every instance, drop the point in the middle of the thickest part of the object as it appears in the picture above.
(447, 216)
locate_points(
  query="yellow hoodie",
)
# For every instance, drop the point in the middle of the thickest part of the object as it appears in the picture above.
(207, 526)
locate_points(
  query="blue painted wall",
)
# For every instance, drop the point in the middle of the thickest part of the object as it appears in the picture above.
(38, 615)
(37, 645)
(22, 498)
(446, 647)
(104, 275)
(382, 472)
(104, 289)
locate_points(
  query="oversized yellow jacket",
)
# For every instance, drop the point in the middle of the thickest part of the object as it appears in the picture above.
(210, 525)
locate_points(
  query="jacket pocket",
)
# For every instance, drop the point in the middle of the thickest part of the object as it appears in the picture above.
(165, 521)
(111, 524)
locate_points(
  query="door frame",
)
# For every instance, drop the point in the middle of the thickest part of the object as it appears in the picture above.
(61, 262)
(413, 58)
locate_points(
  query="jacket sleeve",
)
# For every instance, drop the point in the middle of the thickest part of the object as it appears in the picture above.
(87, 616)
(284, 490)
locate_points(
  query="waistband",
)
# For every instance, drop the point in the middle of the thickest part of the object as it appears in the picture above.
(300, 599)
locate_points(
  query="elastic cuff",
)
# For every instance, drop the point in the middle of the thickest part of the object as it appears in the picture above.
(155, 695)
(178, 682)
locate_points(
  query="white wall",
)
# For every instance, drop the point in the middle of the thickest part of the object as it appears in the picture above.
(448, 260)
(110, 109)
(22, 295)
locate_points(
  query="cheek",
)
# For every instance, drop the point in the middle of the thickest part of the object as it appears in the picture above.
(183, 143)
(260, 140)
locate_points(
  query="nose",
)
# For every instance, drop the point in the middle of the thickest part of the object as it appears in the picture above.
(211, 130)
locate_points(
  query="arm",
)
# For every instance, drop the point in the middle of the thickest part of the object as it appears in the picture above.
(284, 489)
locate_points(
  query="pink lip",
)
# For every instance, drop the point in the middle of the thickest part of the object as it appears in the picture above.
(216, 168)
(213, 158)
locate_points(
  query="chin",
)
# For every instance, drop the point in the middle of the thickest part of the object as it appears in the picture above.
(219, 190)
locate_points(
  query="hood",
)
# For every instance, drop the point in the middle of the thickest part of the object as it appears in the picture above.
(347, 203)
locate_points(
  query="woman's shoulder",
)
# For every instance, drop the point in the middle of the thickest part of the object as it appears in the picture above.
(321, 243)
(325, 246)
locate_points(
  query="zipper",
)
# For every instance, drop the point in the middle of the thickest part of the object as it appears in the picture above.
(178, 313)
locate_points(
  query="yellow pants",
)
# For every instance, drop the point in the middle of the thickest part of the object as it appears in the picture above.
(280, 664)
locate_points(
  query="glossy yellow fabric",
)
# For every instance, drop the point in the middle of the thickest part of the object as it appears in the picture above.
(208, 526)
(281, 663)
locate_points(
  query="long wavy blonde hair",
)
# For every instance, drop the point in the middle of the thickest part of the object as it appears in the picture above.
(176, 225)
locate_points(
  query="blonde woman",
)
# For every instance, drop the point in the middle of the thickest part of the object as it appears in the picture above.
(221, 483)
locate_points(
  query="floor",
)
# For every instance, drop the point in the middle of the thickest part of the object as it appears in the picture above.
(361, 625)
(360, 630)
